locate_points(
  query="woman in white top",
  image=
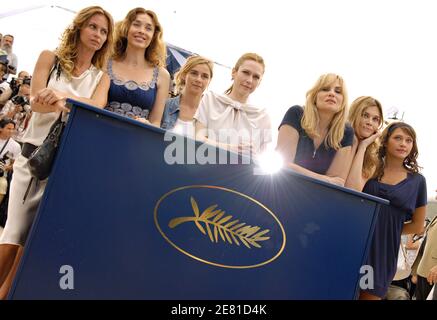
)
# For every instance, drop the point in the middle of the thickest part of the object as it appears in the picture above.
(228, 120)
(72, 71)
(190, 83)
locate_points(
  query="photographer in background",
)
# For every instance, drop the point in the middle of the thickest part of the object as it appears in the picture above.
(11, 88)
(9, 150)
(5, 89)
(18, 107)
(7, 42)
(3, 66)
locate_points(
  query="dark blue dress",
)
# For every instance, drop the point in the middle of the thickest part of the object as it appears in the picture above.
(404, 198)
(306, 156)
(130, 98)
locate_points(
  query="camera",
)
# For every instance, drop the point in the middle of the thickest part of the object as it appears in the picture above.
(27, 80)
(20, 100)
(3, 67)
(15, 85)
(3, 160)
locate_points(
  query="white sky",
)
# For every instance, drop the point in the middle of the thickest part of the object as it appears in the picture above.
(383, 48)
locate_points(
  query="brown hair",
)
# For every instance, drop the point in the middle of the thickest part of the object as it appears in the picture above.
(410, 162)
(155, 52)
(247, 56)
(67, 50)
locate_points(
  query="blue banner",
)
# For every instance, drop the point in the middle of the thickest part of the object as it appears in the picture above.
(118, 222)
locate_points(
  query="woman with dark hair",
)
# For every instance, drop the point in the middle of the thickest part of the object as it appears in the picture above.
(72, 71)
(139, 81)
(396, 178)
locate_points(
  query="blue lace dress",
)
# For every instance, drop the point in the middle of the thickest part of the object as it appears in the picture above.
(130, 98)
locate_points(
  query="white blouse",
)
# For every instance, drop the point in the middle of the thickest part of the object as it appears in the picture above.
(185, 128)
(81, 86)
(227, 119)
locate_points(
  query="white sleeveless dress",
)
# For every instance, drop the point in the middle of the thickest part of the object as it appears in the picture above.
(21, 215)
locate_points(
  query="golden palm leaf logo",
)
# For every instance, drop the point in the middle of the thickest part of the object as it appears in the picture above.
(232, 232)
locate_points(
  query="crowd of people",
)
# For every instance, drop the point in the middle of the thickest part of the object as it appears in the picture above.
(121, 67)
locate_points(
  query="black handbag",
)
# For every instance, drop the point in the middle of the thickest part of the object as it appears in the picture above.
(41, 160)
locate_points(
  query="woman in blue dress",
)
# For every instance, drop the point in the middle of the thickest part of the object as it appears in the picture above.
(397, 179)
(315, 140)
(139, 81)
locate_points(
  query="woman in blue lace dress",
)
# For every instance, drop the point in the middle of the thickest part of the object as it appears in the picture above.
(397, 179)
(139, 80)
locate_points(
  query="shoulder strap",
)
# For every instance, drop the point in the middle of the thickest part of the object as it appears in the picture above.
(4, 146)
(155, 74)
(54, 67)
(109, 68)
(433, 221)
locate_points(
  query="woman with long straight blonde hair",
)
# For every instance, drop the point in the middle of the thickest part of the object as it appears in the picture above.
(314, 140)
(73, 71)
(366, 117)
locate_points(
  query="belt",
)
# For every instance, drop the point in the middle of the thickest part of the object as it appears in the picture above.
(27, 149)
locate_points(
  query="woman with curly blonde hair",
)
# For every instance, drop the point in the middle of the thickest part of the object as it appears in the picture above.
(139, 81)
(315, 140)
(366, 117)
(397, 179)
(72, 71)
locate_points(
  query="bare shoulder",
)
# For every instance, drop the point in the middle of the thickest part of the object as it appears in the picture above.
(47, 56)
(43, 65)
(45, 60)
(105, 79)
(163, 74)
(163, 78)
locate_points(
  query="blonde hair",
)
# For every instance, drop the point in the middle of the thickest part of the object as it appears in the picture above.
(310, 117)
(356, 111)
(186, 68)
(67, 50)
(155, 52)
(247, 56)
